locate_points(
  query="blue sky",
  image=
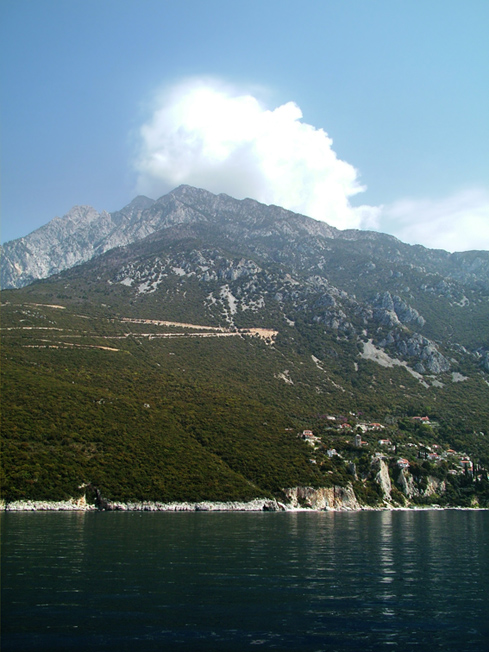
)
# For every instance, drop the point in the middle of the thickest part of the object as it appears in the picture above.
(364, 113)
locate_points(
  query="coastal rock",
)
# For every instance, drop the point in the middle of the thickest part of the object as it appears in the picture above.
(406, 483)
(434, 486)
(257, 505)
(411, 489)
(323, 498)
(382, 477)
(71, 505)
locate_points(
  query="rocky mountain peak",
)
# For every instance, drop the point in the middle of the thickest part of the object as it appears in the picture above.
(271, 231)
(77, 215)
(139, 203)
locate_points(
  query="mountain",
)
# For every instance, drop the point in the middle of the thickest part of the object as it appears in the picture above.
(190, 340)
(77, 237)
(83, 234)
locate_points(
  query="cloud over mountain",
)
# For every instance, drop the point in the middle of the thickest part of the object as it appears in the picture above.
(459, 222)
(208, 134)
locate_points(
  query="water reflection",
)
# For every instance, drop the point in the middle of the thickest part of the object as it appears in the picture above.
(300, 581)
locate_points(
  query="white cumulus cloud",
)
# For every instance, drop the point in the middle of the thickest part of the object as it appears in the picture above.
(459, 222)
(207, 134)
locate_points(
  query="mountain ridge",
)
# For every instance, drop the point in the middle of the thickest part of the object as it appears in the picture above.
(84, 233)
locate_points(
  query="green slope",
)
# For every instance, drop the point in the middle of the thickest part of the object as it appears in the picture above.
(146, 411)
(160, 419)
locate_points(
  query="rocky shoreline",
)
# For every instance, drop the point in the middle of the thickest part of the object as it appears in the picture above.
(258, 505)
(343, 503)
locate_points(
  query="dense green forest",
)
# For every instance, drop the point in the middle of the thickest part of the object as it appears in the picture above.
(95, 404)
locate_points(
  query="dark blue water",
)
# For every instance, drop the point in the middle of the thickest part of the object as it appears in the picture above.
(240, 581)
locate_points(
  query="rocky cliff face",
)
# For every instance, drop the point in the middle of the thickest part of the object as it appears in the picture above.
(412, 489)
(382, 477)
(322, 498)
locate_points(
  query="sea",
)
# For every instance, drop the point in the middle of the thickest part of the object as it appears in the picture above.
(303, 581)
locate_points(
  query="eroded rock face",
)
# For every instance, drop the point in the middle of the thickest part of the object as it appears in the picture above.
(322, 498)
(416, 346)
(391, 310)
(382, 477)
(411, 489)
(435, 486)
(406, 483)
(84, 233)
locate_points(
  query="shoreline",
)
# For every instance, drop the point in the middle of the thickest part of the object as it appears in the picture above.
(257, 505)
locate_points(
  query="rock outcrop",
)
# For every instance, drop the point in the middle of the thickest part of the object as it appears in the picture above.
(406, 483)
(391, 310)
(417, 347)
(412, 489)
(323, 498)
(71, 505)
(380, 468)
